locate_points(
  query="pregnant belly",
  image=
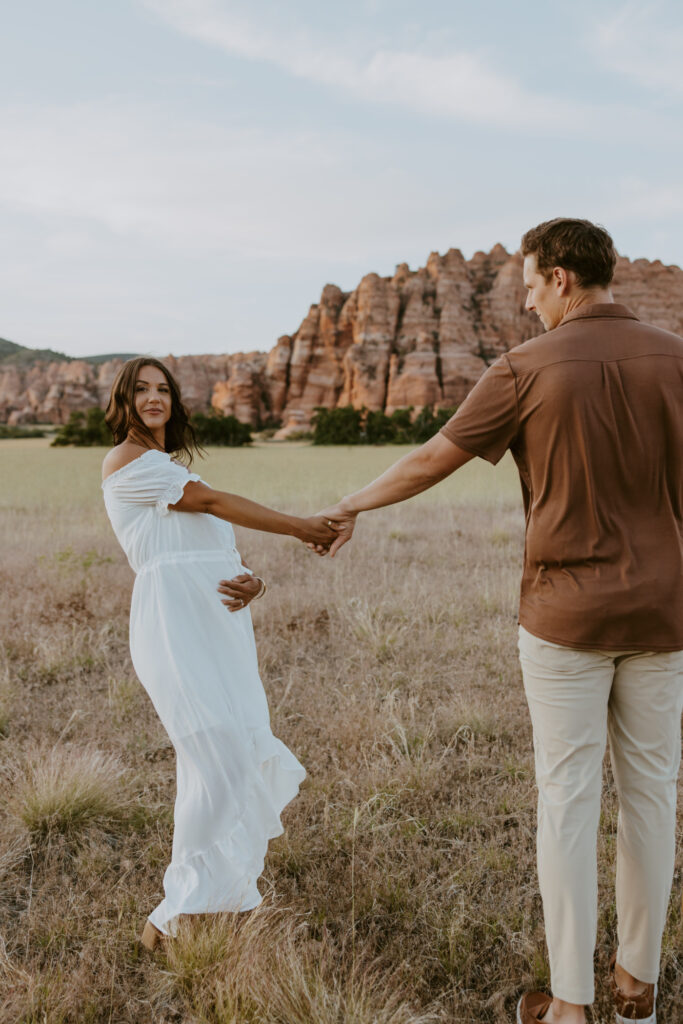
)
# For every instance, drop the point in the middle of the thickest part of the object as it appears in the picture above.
(196, 660)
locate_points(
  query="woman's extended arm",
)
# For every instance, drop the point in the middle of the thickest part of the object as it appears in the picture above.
(197, 497)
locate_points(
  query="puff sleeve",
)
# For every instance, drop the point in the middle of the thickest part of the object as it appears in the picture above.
(157, 481)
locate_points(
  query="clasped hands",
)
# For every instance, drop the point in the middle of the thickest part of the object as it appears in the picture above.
(339, 519)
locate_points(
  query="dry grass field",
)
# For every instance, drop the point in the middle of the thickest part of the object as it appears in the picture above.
(404, 888)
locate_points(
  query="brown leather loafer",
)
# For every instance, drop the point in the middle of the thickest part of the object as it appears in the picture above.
(151, 936)
(533, 1007)
(640, 1008)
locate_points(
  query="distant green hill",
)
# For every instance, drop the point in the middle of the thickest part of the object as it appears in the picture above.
(19, 355)
(12, 354)
(95, 360)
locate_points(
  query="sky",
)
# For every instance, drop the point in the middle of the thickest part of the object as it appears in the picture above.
(185, 176)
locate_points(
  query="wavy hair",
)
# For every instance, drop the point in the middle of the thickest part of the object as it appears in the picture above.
(573, 244)
(123, 420)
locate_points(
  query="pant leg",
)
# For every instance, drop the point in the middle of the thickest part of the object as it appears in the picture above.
(644, 728)
(568, 691)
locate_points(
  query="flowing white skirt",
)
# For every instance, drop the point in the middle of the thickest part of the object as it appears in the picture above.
(197, 662)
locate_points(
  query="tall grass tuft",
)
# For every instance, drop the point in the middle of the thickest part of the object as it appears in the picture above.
(5, 698)
(265, 968)
(4, 712)
(63, 791)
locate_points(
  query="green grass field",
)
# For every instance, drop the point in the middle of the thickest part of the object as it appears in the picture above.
(404, 888)
(295, 473)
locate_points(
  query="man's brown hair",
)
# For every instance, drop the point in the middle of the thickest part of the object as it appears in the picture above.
(576, 245)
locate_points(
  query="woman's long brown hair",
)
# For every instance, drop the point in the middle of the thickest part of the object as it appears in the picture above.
(123, 420)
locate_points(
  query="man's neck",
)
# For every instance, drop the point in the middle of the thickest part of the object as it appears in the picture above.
(587, 297)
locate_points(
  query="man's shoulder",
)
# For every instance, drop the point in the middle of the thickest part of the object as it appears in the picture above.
(660, 334)
(527, 353)
(595, 339)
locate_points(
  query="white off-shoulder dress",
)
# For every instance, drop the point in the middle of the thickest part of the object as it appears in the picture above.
(197, 662)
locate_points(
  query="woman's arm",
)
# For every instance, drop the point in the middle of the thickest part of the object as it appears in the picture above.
(197, 497)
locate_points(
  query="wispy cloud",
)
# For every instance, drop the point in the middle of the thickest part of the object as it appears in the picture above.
(461, 84)
(644, 42)
(207, 188)
(141, 171)
(637, 199)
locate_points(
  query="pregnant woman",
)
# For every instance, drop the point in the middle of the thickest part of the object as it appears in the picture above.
(197, 661)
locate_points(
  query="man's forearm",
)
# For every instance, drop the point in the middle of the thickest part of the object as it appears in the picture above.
(415, 472)
(411, 475)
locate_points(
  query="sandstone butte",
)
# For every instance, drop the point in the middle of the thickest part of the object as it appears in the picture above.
(418, 338)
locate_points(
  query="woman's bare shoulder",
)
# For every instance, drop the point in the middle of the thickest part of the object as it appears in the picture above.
(120, 456)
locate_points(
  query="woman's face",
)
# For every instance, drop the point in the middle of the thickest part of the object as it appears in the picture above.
(152, 397)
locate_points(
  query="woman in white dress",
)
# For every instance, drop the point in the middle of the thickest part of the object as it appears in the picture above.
(198, 663)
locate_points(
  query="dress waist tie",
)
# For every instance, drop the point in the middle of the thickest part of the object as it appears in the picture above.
(181, 557)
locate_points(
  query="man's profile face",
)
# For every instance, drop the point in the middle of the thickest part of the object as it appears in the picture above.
(543, 296)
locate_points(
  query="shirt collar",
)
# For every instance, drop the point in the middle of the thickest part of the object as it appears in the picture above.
(600, 310)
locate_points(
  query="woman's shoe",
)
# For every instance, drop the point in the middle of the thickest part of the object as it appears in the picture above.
(151, 936)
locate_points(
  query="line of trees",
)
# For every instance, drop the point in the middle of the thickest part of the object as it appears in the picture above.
(89, 428)
(6, 431)
(347, 425)
(223, 430)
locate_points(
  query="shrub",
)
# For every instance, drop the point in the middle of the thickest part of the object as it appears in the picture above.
(300, 435)
(427, 422)
(401, 426)
(337, 426)
(84, 429)
(7, 431)
(378, 428)
(347, 425)
(221, 430)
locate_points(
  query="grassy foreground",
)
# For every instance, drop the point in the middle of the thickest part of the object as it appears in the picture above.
(404, 888)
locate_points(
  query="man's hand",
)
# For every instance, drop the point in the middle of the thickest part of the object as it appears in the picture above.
(239, 591)
(343, 521)
(316, 531)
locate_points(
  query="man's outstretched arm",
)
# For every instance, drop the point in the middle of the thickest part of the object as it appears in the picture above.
(414, 473)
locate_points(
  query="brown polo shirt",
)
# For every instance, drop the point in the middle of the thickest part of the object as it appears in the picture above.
(592, 412)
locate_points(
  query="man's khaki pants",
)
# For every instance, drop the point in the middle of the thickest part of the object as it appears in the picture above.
(577, 700)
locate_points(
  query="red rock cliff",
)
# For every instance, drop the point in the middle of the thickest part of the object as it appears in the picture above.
(418, 338)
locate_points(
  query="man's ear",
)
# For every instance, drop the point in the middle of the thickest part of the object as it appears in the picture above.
(563, 280)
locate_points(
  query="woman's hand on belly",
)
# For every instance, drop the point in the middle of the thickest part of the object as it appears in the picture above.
(239, 591)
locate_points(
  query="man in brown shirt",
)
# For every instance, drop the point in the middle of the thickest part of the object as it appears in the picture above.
(592, 412)
(593, 416)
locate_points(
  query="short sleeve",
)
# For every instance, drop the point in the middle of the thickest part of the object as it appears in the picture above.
(487, 422)
(158, 481)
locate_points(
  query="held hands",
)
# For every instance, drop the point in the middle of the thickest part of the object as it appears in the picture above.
(317, 531)
(343, 522)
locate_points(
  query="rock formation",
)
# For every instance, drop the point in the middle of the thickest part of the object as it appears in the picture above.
(418, 338)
